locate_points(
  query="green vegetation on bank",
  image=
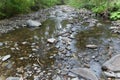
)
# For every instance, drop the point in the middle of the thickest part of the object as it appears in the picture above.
(9, 8)
(107, 8)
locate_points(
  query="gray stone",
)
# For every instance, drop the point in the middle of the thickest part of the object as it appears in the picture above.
(6, 57)
(85, 72)
(75, 78)
(1, 44)
(32, 23)
(13, 78)
(113, 64)
(112, 74)
(56, 78)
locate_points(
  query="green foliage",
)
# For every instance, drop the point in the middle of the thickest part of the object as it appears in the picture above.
(74, 3)
(115, 15)
(46, 3)
(11, 7)
(104, 7)
(99, 9)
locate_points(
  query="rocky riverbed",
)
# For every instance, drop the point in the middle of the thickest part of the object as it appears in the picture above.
(59, 43)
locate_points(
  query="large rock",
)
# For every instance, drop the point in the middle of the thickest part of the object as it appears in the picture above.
(113, 64)
(32, 23)
(85, 72)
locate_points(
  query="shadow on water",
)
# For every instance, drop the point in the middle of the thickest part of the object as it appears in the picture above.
(28, 46)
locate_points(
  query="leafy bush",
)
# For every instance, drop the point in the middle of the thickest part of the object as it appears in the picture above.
(115, 15)
(46, 3)
(102, 7)
(11, 7)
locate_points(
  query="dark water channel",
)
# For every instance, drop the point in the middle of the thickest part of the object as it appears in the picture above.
(29, 46)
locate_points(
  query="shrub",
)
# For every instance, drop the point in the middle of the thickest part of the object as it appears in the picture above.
(11, 7)
(115, 15)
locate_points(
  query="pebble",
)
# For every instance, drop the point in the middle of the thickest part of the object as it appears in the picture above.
(6, 57)
(91, 46)
(51, 40)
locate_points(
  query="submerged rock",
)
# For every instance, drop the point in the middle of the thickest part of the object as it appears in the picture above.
(113, 64)
(32, 23)
(85, 72)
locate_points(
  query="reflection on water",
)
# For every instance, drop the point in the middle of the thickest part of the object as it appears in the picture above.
(94, 35)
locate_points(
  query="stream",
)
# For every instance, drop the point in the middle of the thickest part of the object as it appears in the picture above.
(80, 41)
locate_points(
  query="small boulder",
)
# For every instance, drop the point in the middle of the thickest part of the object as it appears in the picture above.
(113, 64)
(32, 23)
(85, 72)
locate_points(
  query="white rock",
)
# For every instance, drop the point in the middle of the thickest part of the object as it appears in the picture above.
(6, 57)
(85, 72)
(13, 78)
(113, 64)
(114, 27)
(75, 78)
(92, 46)
(32, 23)
(51, 40)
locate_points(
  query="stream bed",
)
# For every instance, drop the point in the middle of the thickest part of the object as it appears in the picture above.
(80, 41)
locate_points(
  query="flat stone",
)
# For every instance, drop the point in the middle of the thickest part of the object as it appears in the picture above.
(13, 78)
(112, 74)
(113, 64)
(6, 57)
(85, 72)
(57, 78)
(92, 46)
(75, 78)
(51, 40)
(33, 23)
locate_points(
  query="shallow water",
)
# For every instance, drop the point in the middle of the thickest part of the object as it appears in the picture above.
(29, 46)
